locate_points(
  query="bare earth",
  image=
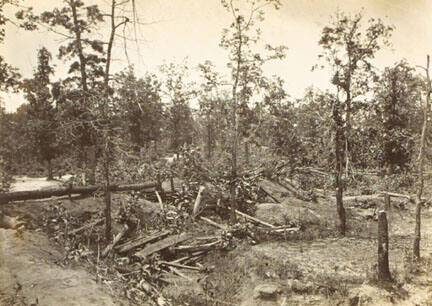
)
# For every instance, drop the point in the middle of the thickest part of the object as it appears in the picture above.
(31, 270)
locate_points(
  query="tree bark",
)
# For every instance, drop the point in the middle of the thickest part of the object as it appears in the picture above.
(383, 248)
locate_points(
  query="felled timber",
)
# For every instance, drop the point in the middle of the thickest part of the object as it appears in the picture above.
(162, 244)
(56, 192)
(115, 241)
(141, 240)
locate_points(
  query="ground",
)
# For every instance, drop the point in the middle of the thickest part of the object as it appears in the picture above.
(319, 271)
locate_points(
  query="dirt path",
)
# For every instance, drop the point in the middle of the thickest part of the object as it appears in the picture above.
(30, 274)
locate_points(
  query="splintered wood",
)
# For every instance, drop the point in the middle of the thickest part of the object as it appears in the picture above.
(163, 244)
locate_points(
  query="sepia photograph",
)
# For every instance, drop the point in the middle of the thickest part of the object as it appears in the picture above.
(215, 152)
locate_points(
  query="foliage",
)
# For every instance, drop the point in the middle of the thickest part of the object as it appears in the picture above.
(178, 115)
(140, 106)
(42, 116)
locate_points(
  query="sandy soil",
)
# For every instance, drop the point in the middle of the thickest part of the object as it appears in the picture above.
(31, 274)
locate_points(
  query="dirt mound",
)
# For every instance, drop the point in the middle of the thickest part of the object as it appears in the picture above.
(30, 273)
(281, 214)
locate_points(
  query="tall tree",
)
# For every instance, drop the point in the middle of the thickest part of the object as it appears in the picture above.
(421, 160)
(246, 71)
(9, 79)
(396, 93)
(210, 104)
(141, 106)
(348, 51)
(43, 123)
(178, 93)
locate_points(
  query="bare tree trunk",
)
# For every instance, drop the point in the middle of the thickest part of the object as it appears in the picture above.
(383, 248)
(233, 195)
(107, 201)
(50, 170)
(339, 152)
(209, 140)
(92, 164)
(419, 201)
(247, 153)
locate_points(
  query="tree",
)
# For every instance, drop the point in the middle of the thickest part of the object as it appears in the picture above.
(42, 112)
(246, 72)
(178, 114)
(9, 79)
(9, 76)
(348, 52)
(142, 107)
(421, 160)
(396, 94)
(76, 22)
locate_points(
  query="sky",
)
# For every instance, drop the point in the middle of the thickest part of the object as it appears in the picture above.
(172, 30)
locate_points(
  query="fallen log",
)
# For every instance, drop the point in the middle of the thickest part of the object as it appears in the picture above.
(56, 192)
(162, 244)
(141, 240)
(115, 241)
(376, 196)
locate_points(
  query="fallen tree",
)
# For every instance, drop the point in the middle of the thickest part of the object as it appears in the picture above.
(57, 192)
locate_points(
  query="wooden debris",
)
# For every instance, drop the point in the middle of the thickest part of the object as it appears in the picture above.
(179, 273)
(84, 227)
(141, 240)
(115, 241)
(177, 265)
(197, 248)
(159, 200)
(254, 219)
(197, 204)
(162, 244)
(222, 227)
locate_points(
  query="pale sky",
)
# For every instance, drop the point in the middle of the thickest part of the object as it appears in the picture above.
(178, 29)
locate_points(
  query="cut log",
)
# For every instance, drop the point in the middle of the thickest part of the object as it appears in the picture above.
(115, 241)
(163, 244)
(141, 240)
(55, 192)
(82, 228)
